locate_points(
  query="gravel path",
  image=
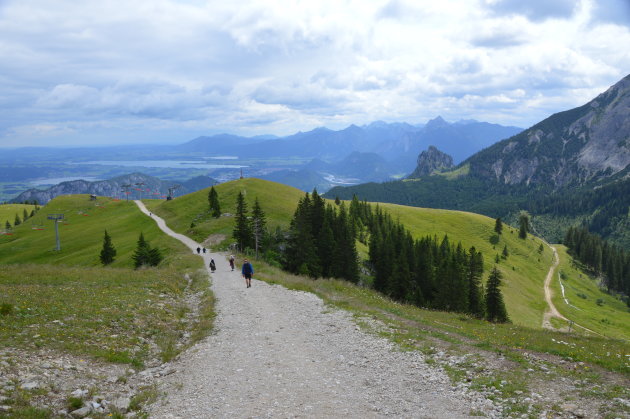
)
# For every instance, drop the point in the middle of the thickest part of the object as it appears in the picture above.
(282, 353)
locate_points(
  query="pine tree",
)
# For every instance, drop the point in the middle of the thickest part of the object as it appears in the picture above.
(258, 224)
(242, 231)
(108, 253)
(498, 226)
(141, 254)
(32, 213)
(475, 272)
(523, 221)
(505, 252)
(24, 214)
(7, 225)
(154, 256)
(213, 201)
(495, 307)
(301, 252)
(17, 221)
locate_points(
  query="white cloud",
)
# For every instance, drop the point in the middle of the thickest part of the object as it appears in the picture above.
(252, 67)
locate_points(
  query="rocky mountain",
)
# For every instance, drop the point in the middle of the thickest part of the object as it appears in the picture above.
(141, 186)
(571, 168)
(568, 148)
(430, 161)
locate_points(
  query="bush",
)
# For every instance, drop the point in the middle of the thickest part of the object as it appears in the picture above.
(6, 309)
(599, 302)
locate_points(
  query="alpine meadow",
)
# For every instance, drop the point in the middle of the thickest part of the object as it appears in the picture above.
(254, 209)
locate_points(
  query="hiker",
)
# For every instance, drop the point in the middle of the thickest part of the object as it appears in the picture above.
(213, 267)
(204, 250)
(247, 271)
(198, 250)
(232, 262)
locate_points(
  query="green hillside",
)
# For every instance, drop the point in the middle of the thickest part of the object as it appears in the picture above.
(81, 233)
(277, 200)
(8, 212)
(588, 305)
(524, 269)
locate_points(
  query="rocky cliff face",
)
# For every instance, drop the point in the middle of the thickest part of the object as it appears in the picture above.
(568, 148)
(430, 161)
(151, 188)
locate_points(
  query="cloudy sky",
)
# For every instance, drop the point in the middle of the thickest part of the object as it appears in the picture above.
(105, 72)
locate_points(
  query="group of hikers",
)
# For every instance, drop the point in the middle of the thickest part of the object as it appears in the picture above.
(247, 269)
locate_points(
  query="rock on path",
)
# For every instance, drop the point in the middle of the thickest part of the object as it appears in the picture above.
(282, 353)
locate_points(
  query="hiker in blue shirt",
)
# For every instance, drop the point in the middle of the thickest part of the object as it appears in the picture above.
(247, 271)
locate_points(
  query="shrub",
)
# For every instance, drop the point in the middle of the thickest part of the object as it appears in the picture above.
(6, 309)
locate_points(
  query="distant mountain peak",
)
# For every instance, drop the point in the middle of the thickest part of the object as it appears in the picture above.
(437, 122)
(430, 161)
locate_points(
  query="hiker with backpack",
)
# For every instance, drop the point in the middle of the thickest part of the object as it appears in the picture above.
(247, 271)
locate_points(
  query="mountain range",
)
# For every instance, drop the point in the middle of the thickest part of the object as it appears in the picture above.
(571, 168)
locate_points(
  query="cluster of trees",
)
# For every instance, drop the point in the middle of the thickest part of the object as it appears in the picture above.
(144, 255)
(603, 258)
(249, 231)
(428, 272)
(17, 220)
(321, 241)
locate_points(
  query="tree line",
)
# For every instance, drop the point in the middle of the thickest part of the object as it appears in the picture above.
(601, 257)
(426, 272)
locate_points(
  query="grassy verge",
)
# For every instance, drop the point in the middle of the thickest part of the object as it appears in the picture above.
(111, 314)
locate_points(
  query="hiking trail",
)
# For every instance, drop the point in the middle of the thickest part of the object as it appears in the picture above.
(282, 353)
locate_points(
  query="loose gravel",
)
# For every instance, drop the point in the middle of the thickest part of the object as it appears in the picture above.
(282, 353)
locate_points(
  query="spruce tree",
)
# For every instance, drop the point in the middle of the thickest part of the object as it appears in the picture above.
(108, 253)
(523, 221)
(498, 226)
(242, 229)
(7, 225)
(495, 307)
(258, 224)
(475, 272)
(213, 201)
(301, 252)
(141, 254)
(24, 214)
(17, 221)
(505, 252)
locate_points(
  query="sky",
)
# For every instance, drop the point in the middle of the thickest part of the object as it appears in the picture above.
(160, 71)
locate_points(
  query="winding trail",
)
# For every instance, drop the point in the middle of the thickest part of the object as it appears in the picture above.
(281, 353)
(552, 311)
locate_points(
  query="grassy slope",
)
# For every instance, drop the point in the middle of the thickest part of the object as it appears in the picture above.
(8, 211)
(106, 311)
(277, 200)
(82, 234)
(524, 270)
(523, 286)
(611, 318)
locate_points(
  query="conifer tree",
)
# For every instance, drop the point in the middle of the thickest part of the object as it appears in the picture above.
(345, 259)
(242, 230)
(213, 201)
(523, 221)
(301, 252)
(108, 252)
(24, 214)
(7, 225)
(505, 252)
(498, 226)
(258, 224)
(141, 254)
(326, 242)
(475, 272)
(495, 307)
(17, 221)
